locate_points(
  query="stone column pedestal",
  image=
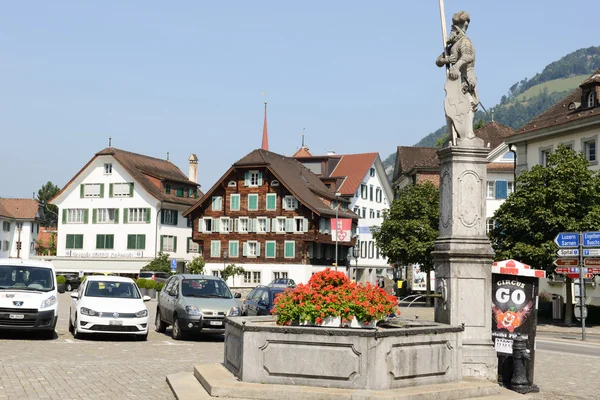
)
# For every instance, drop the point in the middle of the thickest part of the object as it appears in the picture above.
(463, 255)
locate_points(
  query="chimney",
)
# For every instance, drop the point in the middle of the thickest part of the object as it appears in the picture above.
(193, 171)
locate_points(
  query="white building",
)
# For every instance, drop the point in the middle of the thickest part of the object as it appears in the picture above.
(19, 227)
(361, 179)
(121, 209)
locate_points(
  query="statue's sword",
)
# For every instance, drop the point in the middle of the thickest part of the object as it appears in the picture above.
(444, 35)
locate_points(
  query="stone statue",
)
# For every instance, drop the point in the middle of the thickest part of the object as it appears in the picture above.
(461, 92)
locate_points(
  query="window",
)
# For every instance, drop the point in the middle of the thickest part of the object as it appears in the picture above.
(280, 275)
(252, 249)
(231, 184)
(136, 242)
(372, 171)
(378, 195)
(489, 225)
(591, 100)
(544, 153)
(6, 245)
(262, 225)
(167, 188)
(371, 249)
(252, 202)
(190, 222)
(137, 215)
(105, 216)
(234, 202)
(289, 203)
(370, 192)
(247, 277)
(378, 214)
(274, 183)
(74, 242)
(179, 192)
(105, 241)
(501, 189)
(205, 225)
(280, 225)
(234, 248)
(253, 178)
(364, 212)
(491, 189)
(225, 224)
(252, 277)
(357, 211)
(75, 216)
(300, 224)
(121, 190)
(363, 191)
(371, 213)
(215, 248)
(271, 201)
(290, 249)
(168, 217)
(270, 249)
(243, 226)
(363, 249)
(6, 226)
(92, 190)
(216, 273)
(108, 169)
(192, 247)
(168, 243)
(217, 203)
(510, 188)
(589, 147)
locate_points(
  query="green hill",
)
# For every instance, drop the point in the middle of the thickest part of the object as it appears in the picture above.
(528, 98)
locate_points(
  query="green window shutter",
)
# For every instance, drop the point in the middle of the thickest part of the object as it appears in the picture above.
(180, 192)
(260, 178)
(86, 214)
(142, 242)
(125, 212)
(94, 215)
(81, 190)
(64, 216)
(176, 216)
(246, 179)
(131, 242)
(257, 249)
(70, 241)
(148, 211)
(116, 215)
(79, 241)
(161, 242)
(270, 249)
(289, 249)
(162, 216)
(168, 189)
(174, 243)
(187, 243)
(102, 190)
(109, 241)
(252, 200)
(99, 241)
(110, 190)
(271, 201)
(131, 189)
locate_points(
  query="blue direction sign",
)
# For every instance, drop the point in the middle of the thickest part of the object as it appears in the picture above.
(567, 239)
(173, 265)
(591, 239)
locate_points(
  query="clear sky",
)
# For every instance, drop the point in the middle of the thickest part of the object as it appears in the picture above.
(187, 76)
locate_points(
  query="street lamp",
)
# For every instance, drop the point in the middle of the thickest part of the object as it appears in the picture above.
(354, 252)
(337, 206)
(513, 149)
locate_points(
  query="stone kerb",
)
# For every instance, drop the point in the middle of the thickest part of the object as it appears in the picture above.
(258, 351)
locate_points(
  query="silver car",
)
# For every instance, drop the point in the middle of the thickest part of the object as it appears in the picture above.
(195, 304)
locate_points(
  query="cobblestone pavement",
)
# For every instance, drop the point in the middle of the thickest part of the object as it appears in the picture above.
(104, 367)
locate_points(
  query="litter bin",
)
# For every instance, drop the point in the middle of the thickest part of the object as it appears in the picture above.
(557, 306)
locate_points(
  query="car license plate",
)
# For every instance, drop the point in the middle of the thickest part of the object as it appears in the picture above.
(504, 346)
(216, 323)
(115, 322)
(16, 316)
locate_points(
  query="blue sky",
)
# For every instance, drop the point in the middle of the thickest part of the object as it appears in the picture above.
(187, 77)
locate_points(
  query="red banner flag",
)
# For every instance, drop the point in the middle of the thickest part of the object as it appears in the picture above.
(342, 228)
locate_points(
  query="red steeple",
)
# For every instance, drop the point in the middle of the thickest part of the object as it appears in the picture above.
(265, 137)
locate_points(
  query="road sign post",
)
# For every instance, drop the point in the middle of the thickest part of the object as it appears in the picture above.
(583, 237)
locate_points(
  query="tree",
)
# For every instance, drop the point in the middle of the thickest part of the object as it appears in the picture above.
(49, 250)
(159, 264)
(411, 226)
(231, 271)
(196, 266)
(48, 191)
(564, 196)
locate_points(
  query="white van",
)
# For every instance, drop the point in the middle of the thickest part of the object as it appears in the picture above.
(28, 296)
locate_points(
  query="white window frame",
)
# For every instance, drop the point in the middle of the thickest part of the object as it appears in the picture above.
(510, 188)
(289, 203)
(125, 189)
(280, 275)
(280, 221)
(489, 225)
(490, 191)
(75, 215)
(252, 246)
(103, 216)
(169, 216)
(217, 203)
(303, 221)
(259, 221)
(267, 202)
(139, 213)
(212, 253)
(226, 223)
(253, 175)
(168, 243)
(591, 99)
(364, 191)
(202, 224)
(585, 146)
(285, 248)
(256, 275)
(240, 224)
(253, 195)
(248, 277)
(237, 253)
(193, 247)
(544, 153)
(107, 168)
(93, 193)
(238, 202)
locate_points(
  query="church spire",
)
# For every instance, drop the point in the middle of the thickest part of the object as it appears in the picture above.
(265, 137)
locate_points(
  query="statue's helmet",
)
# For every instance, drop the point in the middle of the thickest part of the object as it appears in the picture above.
(461, 18)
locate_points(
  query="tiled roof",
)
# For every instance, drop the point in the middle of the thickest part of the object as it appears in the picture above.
(560, 114)
(500, 167)
(299, 180)
(494, 133)
(354, 167)
(143, 169)
(302, 152)
(19, 208)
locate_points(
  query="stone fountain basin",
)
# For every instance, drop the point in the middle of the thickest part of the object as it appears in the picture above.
(397, 353)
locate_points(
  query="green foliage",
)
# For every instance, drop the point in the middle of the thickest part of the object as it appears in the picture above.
(49, 250)
(159, 264)
(410, 226)
(439, 143)
(231, 270)
(562, 197)
(196, 266)
(159, 286)
(141, 282)
(50, 216)
(150, 284)
(60, 280)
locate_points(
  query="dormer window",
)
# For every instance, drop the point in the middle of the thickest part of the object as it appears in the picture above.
(591, 99)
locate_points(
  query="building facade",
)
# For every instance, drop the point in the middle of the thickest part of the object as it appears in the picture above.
(20, 225)
(272, 216)
(121, 210)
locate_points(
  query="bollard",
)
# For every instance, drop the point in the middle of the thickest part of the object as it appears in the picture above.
(519, 382)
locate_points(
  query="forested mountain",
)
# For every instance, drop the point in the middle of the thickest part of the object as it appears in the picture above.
(528, 98)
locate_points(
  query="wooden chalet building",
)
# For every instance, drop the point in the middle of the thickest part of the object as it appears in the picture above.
(271, 215)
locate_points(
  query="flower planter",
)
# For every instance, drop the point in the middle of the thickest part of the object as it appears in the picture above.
(151, 293)
(144, 291)
(354, 323)
(336, 322)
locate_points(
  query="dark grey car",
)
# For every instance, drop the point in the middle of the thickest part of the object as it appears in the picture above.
(195, 304)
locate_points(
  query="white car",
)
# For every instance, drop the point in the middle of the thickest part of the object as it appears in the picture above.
(108, 304)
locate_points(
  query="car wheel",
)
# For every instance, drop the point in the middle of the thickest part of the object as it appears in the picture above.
(76, 333)
(69, 287)
(141, 338)
(176, 332)
(159, 325)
